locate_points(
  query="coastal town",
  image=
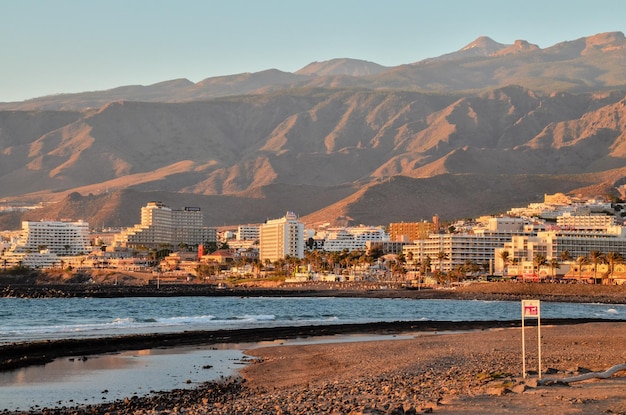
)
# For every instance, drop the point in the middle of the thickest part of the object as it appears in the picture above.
(562, 239)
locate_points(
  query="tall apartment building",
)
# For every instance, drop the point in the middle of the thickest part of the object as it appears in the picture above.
(161, 225)
(60, 238)
(409, 231)
(41, 244)
(281, 237)
(187, 227)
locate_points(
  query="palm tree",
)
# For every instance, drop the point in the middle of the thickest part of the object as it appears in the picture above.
(425, 267)
(539, 260)
(505, 258)
(441, 256)
(566, 256)
(613, 258)
(554, 265)
(581, 260)
(596, 258)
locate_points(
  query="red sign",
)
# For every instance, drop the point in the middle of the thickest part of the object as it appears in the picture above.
(530, 308)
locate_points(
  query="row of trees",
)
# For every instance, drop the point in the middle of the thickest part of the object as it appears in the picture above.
(394, 267)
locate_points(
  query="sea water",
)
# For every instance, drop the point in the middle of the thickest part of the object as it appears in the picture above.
(62, 318)
(96, 379)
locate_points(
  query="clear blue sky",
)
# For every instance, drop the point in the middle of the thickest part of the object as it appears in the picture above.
(58, 46)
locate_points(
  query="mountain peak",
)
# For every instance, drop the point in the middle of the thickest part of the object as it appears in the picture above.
(520, 46)
(344, 66)
(484, 45)
(605, 41)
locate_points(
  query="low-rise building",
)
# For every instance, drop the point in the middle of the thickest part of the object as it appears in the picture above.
(351, 238)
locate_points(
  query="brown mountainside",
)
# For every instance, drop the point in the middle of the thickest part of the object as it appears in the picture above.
(367, 144)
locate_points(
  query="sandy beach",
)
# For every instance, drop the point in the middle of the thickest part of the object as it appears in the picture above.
(469, 372)
(428, 367)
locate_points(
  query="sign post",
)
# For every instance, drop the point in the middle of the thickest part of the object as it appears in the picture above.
(531, 309)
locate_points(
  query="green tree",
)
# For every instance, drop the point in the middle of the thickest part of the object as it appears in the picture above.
(566, 256)
(613, 258)
(580, 261)
(554, 264)
(596, 257)
(441, 256)
(506, 260)
(426, 265)
(539, 260)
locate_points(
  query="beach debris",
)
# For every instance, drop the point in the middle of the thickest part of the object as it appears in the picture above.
(585, 376)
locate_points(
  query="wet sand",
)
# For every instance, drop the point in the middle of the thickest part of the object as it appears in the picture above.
(476, 371)
(448, 370)
(95, 379)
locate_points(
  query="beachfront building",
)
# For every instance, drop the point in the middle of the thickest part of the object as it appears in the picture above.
(282, 237)
(349, 239)
(386, 247)
(163, 226)
(551, 244)
(410, 231)
(43, 244)
(445, 252)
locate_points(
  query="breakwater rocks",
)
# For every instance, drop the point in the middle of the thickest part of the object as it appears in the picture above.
(505, 291)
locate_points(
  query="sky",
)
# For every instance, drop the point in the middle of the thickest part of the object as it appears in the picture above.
(63, 46)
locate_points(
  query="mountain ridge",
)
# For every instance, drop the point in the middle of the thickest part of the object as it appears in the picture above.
(335, 141)
(464, 70)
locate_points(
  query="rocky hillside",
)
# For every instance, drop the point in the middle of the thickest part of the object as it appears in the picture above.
(341, 141)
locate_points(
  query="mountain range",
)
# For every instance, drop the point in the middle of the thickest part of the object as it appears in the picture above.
(471, 132)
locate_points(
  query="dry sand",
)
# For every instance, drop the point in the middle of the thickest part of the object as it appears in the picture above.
(473, 372)
(467, 373)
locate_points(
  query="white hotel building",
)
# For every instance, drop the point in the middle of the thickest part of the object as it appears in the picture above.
(161, 225)
(42, 244)
(476, 247)
(352, 238)
(578, 243)
(281, 237)
(248, 232)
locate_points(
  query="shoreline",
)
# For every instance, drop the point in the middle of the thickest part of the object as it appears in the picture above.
(435, 372)
(19, 355)
(461, 351)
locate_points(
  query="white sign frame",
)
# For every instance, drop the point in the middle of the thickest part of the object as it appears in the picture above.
(531, 309)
